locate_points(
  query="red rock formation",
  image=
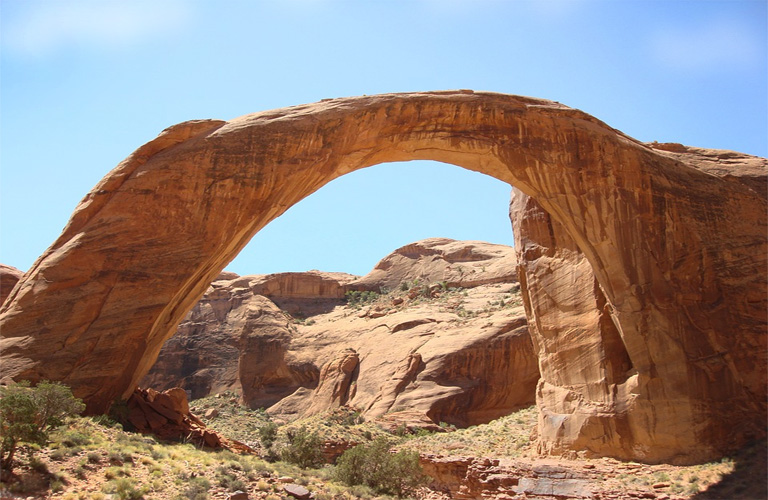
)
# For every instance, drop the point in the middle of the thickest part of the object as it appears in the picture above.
(9, 276)
(676, 240)
(166, 415)
(336, 377)
(597, 392)
(470, 371)
(441, 260)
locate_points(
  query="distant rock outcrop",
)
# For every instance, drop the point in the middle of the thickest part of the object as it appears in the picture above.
(9, 276)
(463, 357)
(441, 260)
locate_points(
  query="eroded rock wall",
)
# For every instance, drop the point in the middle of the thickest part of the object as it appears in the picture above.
(438, 351)
(596, 395)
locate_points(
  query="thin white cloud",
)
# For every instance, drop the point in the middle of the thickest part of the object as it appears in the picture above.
(42, 27)
(717, 45)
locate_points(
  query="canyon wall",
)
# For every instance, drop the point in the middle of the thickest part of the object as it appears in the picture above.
(460, 355)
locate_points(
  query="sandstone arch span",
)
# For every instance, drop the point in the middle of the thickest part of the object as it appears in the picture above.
(674, 240)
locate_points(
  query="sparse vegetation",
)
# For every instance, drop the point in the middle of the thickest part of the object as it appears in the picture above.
(268, 434)
(357, 299)
(374, 466)
(304, 449)
(132, 466)
(28, 414)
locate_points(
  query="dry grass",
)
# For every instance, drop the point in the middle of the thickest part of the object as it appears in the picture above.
(88, 460)
(92, 461)
(506, 437)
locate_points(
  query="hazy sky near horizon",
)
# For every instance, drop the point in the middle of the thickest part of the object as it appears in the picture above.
(84, 83)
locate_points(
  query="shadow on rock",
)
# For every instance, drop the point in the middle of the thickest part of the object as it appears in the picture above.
(749, 479)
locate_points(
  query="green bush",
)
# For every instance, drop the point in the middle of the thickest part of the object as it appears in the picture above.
(28, 414)
(374, 466)
(268, 434)
(356, 298)
(304, 449)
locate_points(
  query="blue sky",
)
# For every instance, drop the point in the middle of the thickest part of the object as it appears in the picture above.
(84, 83)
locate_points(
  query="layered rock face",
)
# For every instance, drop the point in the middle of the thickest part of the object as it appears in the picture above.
(676, 238)
(9, 276)
(440, 260)
(602, 390)
(442, 353)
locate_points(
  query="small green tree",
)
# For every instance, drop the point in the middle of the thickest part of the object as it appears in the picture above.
(268, 434)
(386, 473)
(304, 449)
(27, 415)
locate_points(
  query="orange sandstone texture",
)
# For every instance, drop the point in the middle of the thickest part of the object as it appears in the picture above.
(424, 355)
(9, 276)
(675, 237)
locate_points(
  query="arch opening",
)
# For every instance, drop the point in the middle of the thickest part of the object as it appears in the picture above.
(355, 220)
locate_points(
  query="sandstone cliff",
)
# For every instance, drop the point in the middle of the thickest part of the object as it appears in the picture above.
(459, 356)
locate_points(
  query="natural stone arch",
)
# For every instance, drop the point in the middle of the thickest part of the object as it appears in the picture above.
(676, 241)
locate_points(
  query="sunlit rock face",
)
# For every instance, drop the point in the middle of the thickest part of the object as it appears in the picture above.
(444, 354)
(9, 276)
(675, 237)
(605, 392)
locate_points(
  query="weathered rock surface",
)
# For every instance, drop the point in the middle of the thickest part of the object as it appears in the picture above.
(453, 263)
(675, 236)
(450, 357)
(9, 276)
(167, 416)
(482, 478)
(599, 390)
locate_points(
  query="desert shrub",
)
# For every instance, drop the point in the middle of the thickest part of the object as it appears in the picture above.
(74, 439)
(231, 482)
(197, 489)
(57, 486)
(304, 449)
(374, 466)
(106, 421)
(28, 414)
(118, 412)
(38, 465)
(356, 298)
(268, 434)
(125, 489)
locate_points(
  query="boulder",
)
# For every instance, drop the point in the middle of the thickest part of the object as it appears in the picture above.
(297, 491)
(166, 415)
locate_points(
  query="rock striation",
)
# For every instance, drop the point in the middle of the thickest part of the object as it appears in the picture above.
(675, 237)
(481, 478)
(9, 276)
(443, 353)
(602, 390)
(465, 264)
